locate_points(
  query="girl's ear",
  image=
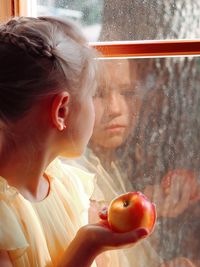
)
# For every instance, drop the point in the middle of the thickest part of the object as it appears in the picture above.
(60, 110)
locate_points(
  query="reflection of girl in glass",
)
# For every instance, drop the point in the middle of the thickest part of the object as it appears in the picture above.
(118, 112)
(117, 104)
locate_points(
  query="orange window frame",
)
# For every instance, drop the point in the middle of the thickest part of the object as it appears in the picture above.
(12, 8)
(145, 49)
(153, 48)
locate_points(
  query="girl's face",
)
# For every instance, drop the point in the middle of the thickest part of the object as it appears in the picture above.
(116, 105)
(80, 125)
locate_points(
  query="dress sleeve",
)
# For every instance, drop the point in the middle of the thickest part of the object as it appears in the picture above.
(12, 237)
(11, 234)
(72, 176)
(78, 183)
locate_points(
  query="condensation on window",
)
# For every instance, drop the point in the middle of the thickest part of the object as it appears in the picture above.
(88, 14)
(147, 127)
(146, 138)
(114, 20)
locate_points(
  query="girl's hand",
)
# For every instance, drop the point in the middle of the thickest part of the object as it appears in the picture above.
(109, 240)
(93, 239)
(176, 179)
(113, 240)
(178, 190)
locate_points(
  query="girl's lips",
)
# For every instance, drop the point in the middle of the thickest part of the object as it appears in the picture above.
(115, 129)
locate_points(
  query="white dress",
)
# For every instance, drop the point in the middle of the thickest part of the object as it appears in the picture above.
(36, 234)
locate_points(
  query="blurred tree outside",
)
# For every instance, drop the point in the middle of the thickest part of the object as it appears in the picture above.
(150, 19)
(178, 78)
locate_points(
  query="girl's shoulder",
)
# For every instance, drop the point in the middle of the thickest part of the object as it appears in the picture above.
(7, 193)
(11, 233)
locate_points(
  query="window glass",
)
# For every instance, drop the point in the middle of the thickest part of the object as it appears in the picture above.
(87, 13)
(146, 134)
(113, 20)
(146, 138)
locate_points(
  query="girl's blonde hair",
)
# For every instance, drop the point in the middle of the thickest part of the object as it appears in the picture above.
(39, 57)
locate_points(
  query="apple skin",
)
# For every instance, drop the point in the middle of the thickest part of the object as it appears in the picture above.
(130, 211)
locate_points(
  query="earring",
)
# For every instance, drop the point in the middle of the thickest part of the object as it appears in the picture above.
(62, 127)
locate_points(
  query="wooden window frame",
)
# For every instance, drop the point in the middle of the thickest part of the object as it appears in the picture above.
(7, 9)
(15, 8)
(145, 49)
(153, 48)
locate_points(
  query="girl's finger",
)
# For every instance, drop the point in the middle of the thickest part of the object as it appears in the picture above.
(128, 238)
(104, 223)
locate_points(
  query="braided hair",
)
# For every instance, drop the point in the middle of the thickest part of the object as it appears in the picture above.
(39, 57)
(34, 46)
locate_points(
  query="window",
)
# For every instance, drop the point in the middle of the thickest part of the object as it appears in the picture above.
(147, 129)
(146, 135)
(86, 13)
(114, 20)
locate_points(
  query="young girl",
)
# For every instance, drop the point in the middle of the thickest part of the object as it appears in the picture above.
(47, 80)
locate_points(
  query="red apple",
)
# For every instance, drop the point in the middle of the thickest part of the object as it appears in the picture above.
(130, 211)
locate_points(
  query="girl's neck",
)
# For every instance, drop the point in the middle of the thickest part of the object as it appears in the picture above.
(29, 144)
(23, 167)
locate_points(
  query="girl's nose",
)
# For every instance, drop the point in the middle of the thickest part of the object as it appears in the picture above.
(114, 103)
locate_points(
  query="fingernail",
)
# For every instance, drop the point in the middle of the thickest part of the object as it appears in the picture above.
(104, 210)
(103, 214)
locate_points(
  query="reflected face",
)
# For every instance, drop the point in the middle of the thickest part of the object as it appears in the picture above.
(116, 104)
